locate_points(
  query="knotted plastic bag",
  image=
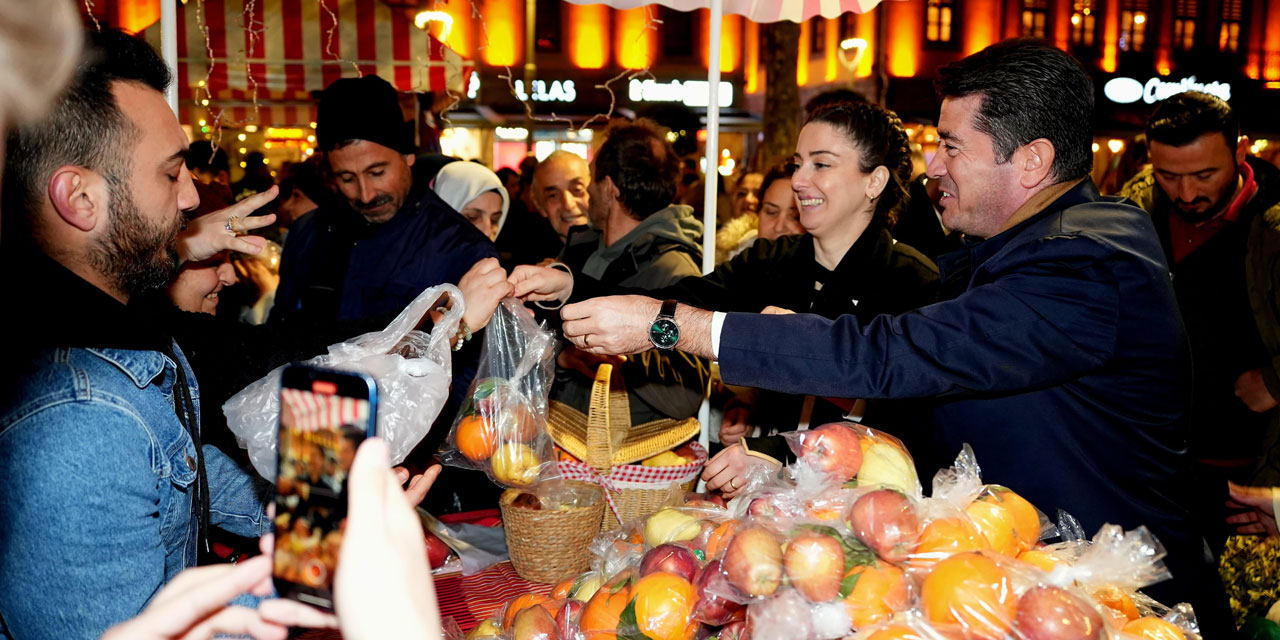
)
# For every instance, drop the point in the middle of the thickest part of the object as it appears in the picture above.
(412, 369)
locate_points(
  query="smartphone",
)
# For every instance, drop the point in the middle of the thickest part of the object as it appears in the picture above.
(324, 416)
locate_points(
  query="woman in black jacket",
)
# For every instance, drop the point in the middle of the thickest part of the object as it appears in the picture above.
(852, 168)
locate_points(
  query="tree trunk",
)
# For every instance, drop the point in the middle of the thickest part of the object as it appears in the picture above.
(780, 48)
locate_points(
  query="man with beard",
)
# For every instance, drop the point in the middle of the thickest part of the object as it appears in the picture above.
(1217, 212)
(108, 489)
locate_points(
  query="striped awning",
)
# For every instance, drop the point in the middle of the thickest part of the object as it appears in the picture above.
(313, 411)
(756, 10)
(275, 53)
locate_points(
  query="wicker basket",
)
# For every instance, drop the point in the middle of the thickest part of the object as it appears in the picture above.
(605, 439)
(549, 546)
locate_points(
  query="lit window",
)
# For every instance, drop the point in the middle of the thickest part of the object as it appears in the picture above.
(1034, 16)
(1084, 21)
(817, 35)
(1186, 13)
(1229, 34)
(1133, 25)
(938, 20)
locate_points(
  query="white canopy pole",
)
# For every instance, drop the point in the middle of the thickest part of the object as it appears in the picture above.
(709, 199)
(169, 48)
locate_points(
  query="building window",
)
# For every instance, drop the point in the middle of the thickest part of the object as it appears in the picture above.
(1186, 13)
(848, 26)
(938, 17)
(1133, 24)
(547, 26)
(1034, 14)
(677, 32)
(1229, 35)
(817, 35)
(1084, 22)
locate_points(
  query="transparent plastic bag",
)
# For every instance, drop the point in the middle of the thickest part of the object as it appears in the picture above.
(501, 428)
(412, 369)
(847, 450)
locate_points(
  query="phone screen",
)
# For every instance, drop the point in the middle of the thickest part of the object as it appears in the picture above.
(324, 416)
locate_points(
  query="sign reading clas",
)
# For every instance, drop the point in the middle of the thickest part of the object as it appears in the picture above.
(1128, 90)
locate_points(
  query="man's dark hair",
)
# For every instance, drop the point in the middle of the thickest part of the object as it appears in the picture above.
(880, 139)
(642, 164)
(830, 98)
(204, 157)
(1028, 90)
(85, 128)
(505, 173)
(1181, 118)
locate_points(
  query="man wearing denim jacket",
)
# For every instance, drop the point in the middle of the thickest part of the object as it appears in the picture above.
(108, 492)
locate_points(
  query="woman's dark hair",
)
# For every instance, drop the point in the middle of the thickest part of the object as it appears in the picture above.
(880, 139)
(779, 172)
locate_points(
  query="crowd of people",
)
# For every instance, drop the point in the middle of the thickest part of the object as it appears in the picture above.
(1116, 357)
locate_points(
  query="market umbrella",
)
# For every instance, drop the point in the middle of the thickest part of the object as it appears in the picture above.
(755, 11)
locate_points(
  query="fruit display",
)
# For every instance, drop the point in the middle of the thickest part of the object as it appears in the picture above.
(501, 426)
(820, 552)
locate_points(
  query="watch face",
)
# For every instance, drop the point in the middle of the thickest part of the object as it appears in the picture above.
(664, 333)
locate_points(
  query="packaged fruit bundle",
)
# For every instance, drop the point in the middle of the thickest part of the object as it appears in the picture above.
(501, 426)
(963, 514)
(850, 451)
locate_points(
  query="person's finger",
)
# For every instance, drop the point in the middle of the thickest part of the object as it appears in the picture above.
(250, 204)
(402, 474)
(252, 245)
(367, 483)
(290, 613)
(417, 490)
(1243, 518)
(267, 543)
(214, 590)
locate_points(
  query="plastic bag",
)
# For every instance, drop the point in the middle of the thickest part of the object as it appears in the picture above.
(501, 428)
(848, 450)
(412, 369)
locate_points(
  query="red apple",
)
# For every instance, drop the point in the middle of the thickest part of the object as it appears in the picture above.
(671, 558)
(736, 630)
(833, 448)
(814, 563)
(886, 521)
(1050, 613)
(437, 551)
(753, 562)
(714, 606)
(534, 623)
(568, 616)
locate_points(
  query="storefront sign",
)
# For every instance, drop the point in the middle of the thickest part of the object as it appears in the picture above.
(1128, 90)
(692, 93)
(554, 91)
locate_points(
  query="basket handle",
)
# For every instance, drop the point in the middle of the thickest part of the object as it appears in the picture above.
(599, 441)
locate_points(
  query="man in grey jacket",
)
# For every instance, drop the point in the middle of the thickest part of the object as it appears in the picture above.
(637, 239)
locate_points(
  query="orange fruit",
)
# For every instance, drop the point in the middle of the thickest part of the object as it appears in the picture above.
(1026, 519)
(664, 606)
(946, 536)
(1117, 600)
(896, 632)
(719, 539)
(561, 591)
(520, 603)
(969, 589)
(476, 439)
(997, 525)
(1153, 629)
(1042, 560)
(880, 590)
(599, 619)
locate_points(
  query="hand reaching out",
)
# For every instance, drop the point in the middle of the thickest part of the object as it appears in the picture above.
(483, 287)
(735, 424)
(540, 283)
(1252, 390)
(205, 236)
(1260, 517)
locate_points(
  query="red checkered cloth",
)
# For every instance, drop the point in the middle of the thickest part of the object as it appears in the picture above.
(635, 476)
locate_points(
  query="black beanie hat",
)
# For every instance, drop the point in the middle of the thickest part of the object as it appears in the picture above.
(366, 108)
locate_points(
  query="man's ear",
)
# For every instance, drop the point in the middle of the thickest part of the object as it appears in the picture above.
(1242, 149)
(79, 197)
(409, 159)
(607, 188)
(1034, 162)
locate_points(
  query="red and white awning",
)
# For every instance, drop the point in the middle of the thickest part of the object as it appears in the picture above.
(313, 412)
(756, 10)
(283, 50)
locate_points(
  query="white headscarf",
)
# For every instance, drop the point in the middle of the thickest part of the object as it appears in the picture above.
(458, 183)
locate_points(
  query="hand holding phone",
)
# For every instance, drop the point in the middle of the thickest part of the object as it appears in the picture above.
(324, 417)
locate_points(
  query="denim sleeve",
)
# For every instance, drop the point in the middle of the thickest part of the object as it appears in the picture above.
(80, 539)
(237, 496)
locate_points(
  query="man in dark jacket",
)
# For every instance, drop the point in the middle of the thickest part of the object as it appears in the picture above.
(1217, 212)
(1057, 352)
(396, 239)
(639, 239)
